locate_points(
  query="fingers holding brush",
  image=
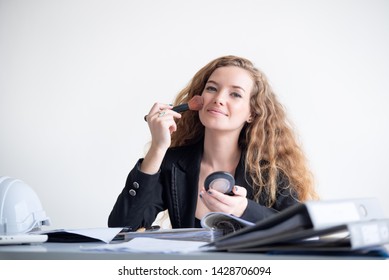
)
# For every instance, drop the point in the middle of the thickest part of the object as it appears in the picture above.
(157, 108)
(161, 122)
(160, 110)
(195, 104)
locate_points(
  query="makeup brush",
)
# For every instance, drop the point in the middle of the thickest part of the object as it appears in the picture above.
(195, 104)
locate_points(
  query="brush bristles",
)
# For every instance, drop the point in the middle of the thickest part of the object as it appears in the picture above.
(196, 103)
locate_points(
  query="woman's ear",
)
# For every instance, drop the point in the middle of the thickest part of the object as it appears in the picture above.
(250, 119)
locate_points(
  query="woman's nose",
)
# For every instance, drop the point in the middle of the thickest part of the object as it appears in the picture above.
(219, 98)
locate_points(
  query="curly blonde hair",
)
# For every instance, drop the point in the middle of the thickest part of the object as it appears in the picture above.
(268, 141)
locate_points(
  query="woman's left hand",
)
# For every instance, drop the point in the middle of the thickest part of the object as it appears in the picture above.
(231, 204)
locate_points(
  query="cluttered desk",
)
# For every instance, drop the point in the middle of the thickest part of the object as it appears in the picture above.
(301, 232)
(351, 229)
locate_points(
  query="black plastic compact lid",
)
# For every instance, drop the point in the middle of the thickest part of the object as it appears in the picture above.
(220, 181)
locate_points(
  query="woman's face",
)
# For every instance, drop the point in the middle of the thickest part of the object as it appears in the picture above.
(227, 99)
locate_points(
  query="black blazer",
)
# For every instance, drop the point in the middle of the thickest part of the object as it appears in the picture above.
(175, 187)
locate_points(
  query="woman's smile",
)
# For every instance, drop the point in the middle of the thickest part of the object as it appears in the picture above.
(217, 111)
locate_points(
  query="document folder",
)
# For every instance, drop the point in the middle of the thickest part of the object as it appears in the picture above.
(315, 225)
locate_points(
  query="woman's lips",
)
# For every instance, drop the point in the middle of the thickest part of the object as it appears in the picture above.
(217, 111)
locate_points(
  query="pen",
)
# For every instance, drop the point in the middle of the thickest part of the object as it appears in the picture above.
(151, 228)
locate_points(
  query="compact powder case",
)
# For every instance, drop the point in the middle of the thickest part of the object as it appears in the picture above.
(220, 181)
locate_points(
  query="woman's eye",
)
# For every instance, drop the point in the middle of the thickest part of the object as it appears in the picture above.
(210, 88)
(235, 94)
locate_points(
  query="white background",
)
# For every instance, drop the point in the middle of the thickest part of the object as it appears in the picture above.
(77, 77)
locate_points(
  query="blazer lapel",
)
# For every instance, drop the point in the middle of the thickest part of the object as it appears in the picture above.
(185, 177)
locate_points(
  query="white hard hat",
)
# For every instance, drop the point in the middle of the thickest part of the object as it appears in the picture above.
(20, 208)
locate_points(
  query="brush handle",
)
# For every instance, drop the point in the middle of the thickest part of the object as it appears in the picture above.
(179, 108)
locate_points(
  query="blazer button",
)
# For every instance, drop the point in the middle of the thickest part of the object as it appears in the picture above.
(136, 185)
(132, 192)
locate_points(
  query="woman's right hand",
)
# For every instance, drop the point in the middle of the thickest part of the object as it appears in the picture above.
(162, 124)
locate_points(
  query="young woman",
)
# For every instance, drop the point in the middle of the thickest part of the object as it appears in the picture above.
(241, 129)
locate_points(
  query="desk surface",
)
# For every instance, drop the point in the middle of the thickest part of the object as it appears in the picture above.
(72, 251)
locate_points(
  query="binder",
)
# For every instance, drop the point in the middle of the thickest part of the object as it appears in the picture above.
(335, 225)
(346, 237)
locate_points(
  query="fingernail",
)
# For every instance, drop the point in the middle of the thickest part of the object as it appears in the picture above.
(201, 195)
(236, 189)
(209, 192)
